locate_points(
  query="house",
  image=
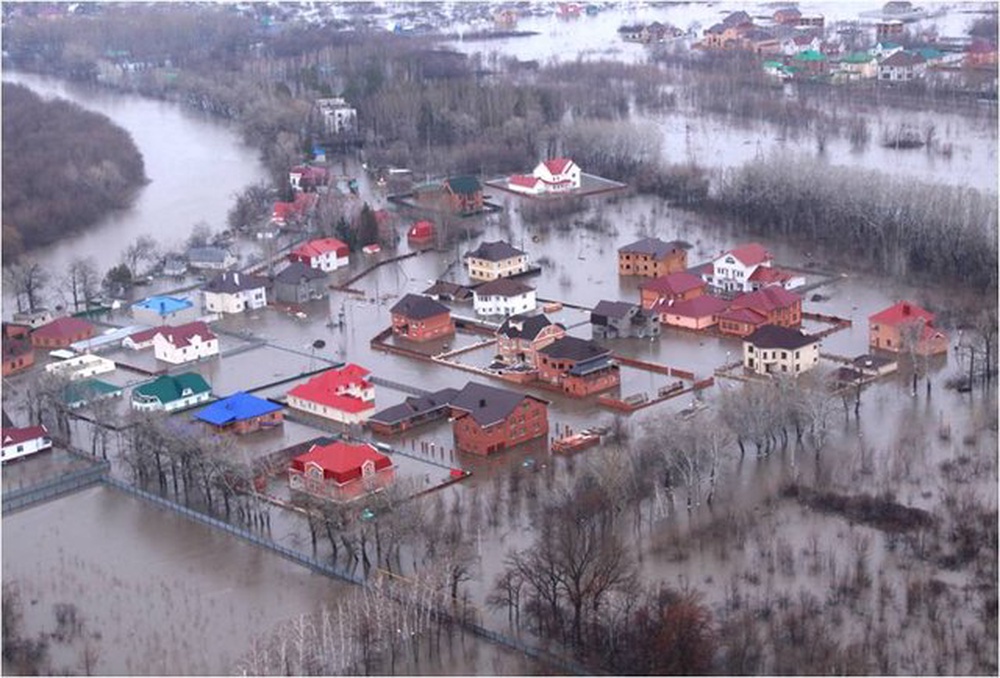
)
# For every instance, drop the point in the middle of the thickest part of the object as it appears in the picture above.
(420, 318)
(325, 254)
(290, 214)
(556, 175)
(18, 353)
(889, 29)
(903, 327)
(859, 66)
(336, 115)
(412, 412)
(727, 33)
(652, 258)
(421, 234)
(731, 271)
(168, 393)
(811, 63)
(979, 54)
(496, 259)
(463, 195)
(521, 336)
(81, 367)
(621, 320)
(341, 394)
(788, 16)
(164, 310)
(770, 305)
(340, 471)
(578, 366)
(298, 283)
(307, 178)
(675, 287)
(902, 67)
(241, 413)
(442, 290)
(139, 341)
(883, 50)
(78, 394)
(175, 267)
(694, 314)
(772, 349)
(769, 276)
(211, 258)
(503, 296)
(62, 332)
(486, 420)
(761, 41)
(800, 42)
(33, 319)
(184, 343)
(234, 292)
(20, 442)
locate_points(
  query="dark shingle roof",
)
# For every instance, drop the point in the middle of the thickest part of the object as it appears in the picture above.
(414, 406)
(417, 307)
(653, 247)
(296, 272)
(497, 250)
(231, 282)
(502, 287)
(775, 336)
(524, 326)
(574, 348)
(486, 404)
(611, 309)
(465, 185)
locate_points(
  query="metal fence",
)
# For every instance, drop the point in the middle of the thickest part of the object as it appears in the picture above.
(397, 386)
(22, 498)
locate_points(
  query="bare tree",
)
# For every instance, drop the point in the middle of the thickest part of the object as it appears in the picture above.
(83, 281)
(28, 279)
(141, 250)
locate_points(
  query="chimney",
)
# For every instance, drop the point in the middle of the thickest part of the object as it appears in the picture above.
(906, 308)
(236, 279)
(482, 402)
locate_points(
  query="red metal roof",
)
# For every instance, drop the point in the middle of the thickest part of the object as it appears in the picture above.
(557, 165)
(523, 180)
(674, 283)
(744, 315)
(766, 299)
(903, 311)
(320, 246)
(147, 335)
(182, 335)
(16, 436)
(329, 387)
(699, 307)
(341, 461)
(768, 275)
(750, 254)
(421, 229)
(64, 328)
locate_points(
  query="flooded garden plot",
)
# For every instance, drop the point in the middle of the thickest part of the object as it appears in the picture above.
(40, 467)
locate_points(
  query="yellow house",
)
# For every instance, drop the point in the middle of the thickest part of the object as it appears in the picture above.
(492, 260)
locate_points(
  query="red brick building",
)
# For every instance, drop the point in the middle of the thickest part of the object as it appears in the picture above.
(673, 287)
(421, 318)
(578, 366)
(340, 471)
(521, 336)
(456, 195)
(62, 332)
(18, 353)
(652, 258)
(767, 306)
(487, 420)
(890, 330)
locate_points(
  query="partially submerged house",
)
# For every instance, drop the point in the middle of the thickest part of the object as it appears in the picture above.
(242, 413)
(340, 471)
(342, 394)
(503, 296)
(496, 259)
(298, 283)
(675, 287)
(420, 318)
(22, 441)
(904, 327)
(412, 412)
(487, 420)
(578, 366)
(184, 343)
(552, 176)
(164, 310)
(622, 320)
(234, 292)
(520, 337)
(776, 350)
(652, 258)
(168, 393)
(325, 254)
(61, 332)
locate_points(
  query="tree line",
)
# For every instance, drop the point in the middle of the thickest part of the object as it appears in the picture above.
(64, 168)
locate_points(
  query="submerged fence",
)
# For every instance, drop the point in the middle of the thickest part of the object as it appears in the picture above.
(22, 498)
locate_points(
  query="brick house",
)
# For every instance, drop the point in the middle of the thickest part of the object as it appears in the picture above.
(340, 471)
(694, 314)
(420, 318)
(242, 413)
(18, 353)
(579, 367)
(893, 328)
(622, 320)
(674, 287)
(776, 350)
(486, 420)
(521, 336)
(325, 254)
(497, 259)
(652, 258)
(457, 195)
(767, 306)
(62, 332)
(341, 394)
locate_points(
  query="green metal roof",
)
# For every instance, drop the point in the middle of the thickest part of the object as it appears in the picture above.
(82, 392)
(464, 185)
(857, 58)
(810, 55)
(929, 53)
(168, 388)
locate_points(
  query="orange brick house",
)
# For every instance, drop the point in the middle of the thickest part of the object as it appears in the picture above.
(18, 353)
(487, 420)
(675, 287)
(62, 332)
(578, 366)
(420, 318)
(888, 330)
(767, 306)
(652, 258)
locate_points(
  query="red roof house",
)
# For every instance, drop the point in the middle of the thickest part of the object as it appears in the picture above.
(341, 394)
(679, 286)
(20, 442)
(340, 471)
(903, 326)
(421, 234)
(62, 332)
(184, 343)
(766, 306)
(18, 354)
(325, 254)
(694, 314)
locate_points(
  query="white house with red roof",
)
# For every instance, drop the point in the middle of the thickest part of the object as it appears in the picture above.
(732, 270)
(185, 343)
(556, 175)
(341, 394)
(325, 254)
(20, 442)
(340, 471)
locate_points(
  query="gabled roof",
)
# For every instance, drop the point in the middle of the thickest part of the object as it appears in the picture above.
(323, 388)
(612, 309)
(502, 287)
(231, 282)
(488, 405)
(497, 250)
(414, 406)
(653, 247)
(775, 336)
(523, 180)
(147, 335)
(903, 59)
(750, 254)
(64, 328)
(215, 255)
(736, 19)
(464, 185)
(341, 461)
(16, 347)
(237, 407)
(167, 388)
(321, 246)
(164, 305)
(443, 288)
(296, 272)
(768, 275)
(524, 326)
(673, 283)
(557, 165)
(744, 315)
(699, 307)
(574, 348)
(88, 389)
(766, 299)
(181, 335)
(417, 307)
(903, 311)
(16, 436)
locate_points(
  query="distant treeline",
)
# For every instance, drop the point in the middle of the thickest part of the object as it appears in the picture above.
(63, 169)
(898, 226)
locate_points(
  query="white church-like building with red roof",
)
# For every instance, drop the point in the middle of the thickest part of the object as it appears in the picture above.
(557, 175)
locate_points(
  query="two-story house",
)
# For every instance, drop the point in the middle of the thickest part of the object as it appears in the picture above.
(622, 320)
(298, 283)
(776, 350)
(904, 326)
(578, 366)
(185, 343)
(325, 254)
(487, 420)
(340, 471)
(496, 259)
(420, 318)
(751, 310)
(674, 287)
(731, 271)
(341, 394)
(503, 296)
(234, 292)
(652, 258)
(521, 336)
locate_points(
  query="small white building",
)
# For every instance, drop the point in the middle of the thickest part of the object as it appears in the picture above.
(81, 367)
(776, 350)
(20, 442)
(337, 115)
(324, 254)
(497, 259)
(211, 258)
(234, 292)
(185, 343)
(504, 297)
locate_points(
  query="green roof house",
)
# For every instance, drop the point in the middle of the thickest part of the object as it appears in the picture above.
(811, 62)
(79, 393)
(169, 393)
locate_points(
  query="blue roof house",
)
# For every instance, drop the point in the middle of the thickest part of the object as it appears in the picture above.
(241, 413)
(164, 310)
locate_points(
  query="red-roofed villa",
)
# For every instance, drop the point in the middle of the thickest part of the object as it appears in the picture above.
(62, 332)
(341, 394)
(556, 175)
(340, 471)
(326, 254)
(890, 330)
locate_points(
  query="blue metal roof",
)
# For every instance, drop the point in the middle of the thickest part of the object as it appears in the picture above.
(237, 407)
(164, 305)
